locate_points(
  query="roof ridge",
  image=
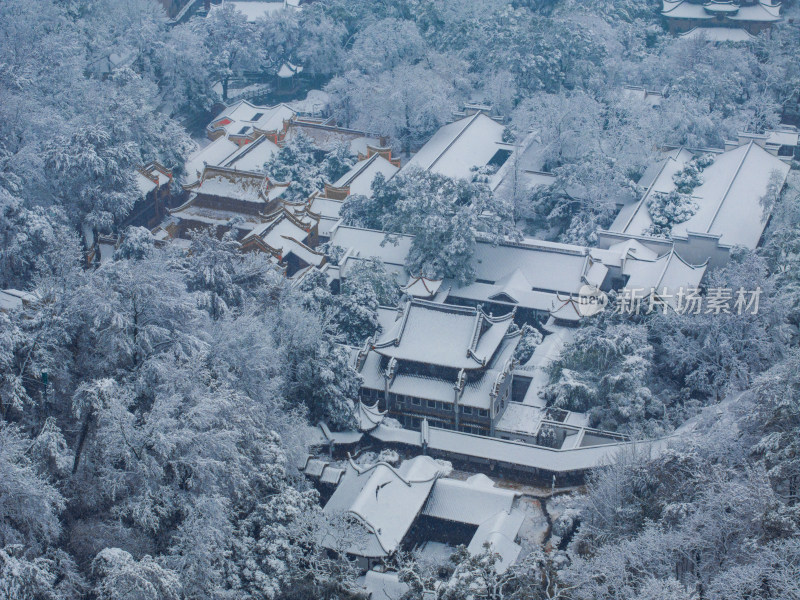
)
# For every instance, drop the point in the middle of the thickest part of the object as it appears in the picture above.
(393, 470)
(231, 171)
(476, 334)
(395, 340)
(730, 185)
(299, 243)
(454, 140)
(666, 266)
(361, 166)
(442, 307)
(670, 9)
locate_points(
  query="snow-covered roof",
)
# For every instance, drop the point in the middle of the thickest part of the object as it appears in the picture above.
(387, 315)
(499, 532)
(326, 207)
(422, 287)
(728, 200)
(368, 417)
(459, 146)
(288, 70)
(328, 211)
(189, 211)
(243, 186)
(300, 250)
(530, 273)
(514, 453)
(360, 177)
(214, 154)
(761, 11)
(145, 184)
(361, 144)
(783, 137)
(385, 500)
(252, 156)
(758, 12)
(667, 275)
(285, 234)
(444, 335)
(11, 299)
(519, 418)
(642, 94)
(472, 501)
(367, 243)
(786, 135)
(151, 176)
(243, 118)
(477, 389)
(331, 475)
(633, 248)
(426, 387)
(718, 34)
(523, 170)
(339, 437)
(384, 586)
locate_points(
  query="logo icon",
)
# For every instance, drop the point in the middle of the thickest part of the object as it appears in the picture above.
(591, 300)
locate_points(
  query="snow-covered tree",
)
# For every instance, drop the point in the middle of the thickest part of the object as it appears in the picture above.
(137, 244)
(775, 418)
(308, 168)
(121, 577)
(530, 339)
(372, 274)
(442, 213)
(229, 43)
(605, 372)
(54, 575)
(422, 95)
(95, 184)
(710, 354)
(357, 313)
(667, 210)
(29, 504)
(33, 241)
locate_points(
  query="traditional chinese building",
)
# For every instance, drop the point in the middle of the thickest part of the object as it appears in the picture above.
(243, 122)
(729, 204)
(448, 364)
(783, 142)
(325, 133)
(720, 20)
(358, 180)
(387, 509)
(288, 235)
(534, 278)
(248, 205)
(464, 148)
(154, 182)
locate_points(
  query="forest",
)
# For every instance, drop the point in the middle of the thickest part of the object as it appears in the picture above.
(153, 408)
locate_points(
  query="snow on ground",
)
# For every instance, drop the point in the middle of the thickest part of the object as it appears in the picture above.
(434, 553)
(316, 101)
(534, 527)
(234, 93)
(256, 10)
